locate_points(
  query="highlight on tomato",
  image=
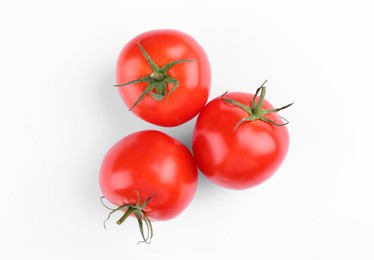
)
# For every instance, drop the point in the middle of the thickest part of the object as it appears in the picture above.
(164, 77)
(239, 140)
(148, 175)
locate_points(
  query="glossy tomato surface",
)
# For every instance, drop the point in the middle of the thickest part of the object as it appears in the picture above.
(241, 158)
(194, 77)
(145, 163)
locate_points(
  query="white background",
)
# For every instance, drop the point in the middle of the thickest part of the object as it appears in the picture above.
(60, 114)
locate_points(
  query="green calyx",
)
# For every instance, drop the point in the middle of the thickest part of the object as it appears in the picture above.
(157, 80)
(140, 215)
(256, 112)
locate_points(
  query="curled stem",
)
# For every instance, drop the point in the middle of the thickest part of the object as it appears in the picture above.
(137, 210)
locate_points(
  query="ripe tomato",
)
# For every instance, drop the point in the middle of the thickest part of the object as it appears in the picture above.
(150, 172)
(237, 145)
(164, 77)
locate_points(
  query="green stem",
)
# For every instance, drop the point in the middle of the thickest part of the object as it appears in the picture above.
(258, 108)
(128, 212)
(140, 215)
(157, 80)
(256, 112)
(157, 75)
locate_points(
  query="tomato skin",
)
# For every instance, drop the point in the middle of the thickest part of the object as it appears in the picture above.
(164, 46)
(242, 158)
(148, 162)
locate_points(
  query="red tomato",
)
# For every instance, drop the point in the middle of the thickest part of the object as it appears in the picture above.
(164, 77)
(235, 149)
(153, 166)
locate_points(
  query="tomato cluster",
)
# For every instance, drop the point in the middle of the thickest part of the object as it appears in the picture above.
(239, 140)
